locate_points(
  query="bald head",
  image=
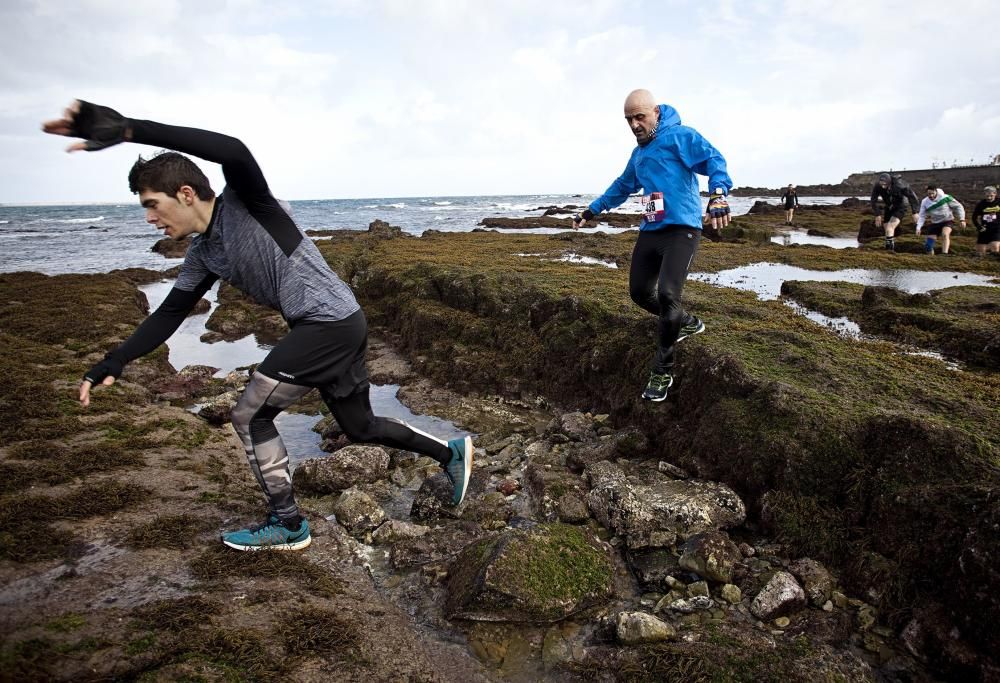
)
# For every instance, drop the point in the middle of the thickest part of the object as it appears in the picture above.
(642, 115)
(640, 99)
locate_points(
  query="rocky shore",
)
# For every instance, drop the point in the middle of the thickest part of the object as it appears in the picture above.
(804, 506)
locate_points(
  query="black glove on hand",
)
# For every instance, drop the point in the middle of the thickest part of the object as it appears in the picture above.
(108, 366)
(100, 126)
(584, 215)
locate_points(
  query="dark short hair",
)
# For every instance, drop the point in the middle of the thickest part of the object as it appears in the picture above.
(168, 172)
(932, 187)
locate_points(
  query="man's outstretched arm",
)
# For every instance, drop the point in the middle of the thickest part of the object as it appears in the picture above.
(152, 332)
(103, 127)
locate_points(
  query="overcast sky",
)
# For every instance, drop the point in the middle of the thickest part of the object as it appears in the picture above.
(387, 98)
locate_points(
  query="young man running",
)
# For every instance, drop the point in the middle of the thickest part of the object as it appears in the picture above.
(943, 210)
(246, 237)
(894, 193)
(665, 163)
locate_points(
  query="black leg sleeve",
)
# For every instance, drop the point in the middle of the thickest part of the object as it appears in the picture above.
(360, 424)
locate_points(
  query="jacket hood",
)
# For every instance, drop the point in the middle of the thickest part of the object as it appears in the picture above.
(668, 116)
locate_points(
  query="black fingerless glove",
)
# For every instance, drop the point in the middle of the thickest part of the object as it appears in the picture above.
(109, 366)
(585, 215)
(100, 126)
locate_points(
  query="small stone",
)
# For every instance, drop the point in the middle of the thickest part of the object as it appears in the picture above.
(839, 600)
(671, 470)
(731, 593)
(508, 486)
(866, 617)
(782, 622)
(698, 588)
(828, 606)
(673, 583)
(634, 628)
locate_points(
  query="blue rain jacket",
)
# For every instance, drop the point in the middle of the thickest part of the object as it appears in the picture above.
(668, 164)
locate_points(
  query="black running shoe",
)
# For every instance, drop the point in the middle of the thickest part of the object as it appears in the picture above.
(890, 244)
(695, 326)
(656, 388)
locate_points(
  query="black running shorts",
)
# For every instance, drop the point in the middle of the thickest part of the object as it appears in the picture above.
(322, 354)
(936, 228)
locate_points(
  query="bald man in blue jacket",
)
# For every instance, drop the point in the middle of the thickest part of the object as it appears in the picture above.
(665, 164)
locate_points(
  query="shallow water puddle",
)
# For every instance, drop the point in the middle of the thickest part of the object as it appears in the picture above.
(765, 278)
(185, 346)
(802, 237)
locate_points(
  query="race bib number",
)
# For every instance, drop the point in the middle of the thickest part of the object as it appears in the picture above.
(653, 207)
(989, 217)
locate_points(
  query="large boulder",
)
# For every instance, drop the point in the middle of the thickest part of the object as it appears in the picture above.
(350, 466)
(539, 574)
(654, 514)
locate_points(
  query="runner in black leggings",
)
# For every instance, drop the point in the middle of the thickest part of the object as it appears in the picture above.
(248, 238)
(665, 164)
(660, 263)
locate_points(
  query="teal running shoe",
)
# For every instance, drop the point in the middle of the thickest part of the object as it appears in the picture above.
(271, 535)
(459, 468)
(656, 388)
(693, 327)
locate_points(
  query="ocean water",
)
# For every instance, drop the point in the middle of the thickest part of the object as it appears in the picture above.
(97, 238)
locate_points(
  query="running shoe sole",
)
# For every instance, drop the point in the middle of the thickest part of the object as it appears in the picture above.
(297, 545)
(467, 461)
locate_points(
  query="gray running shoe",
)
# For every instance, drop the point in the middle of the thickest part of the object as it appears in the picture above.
(695, 326)
(656, 388)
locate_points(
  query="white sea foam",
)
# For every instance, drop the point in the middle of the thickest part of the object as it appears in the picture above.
(79, 220)
(442, 203)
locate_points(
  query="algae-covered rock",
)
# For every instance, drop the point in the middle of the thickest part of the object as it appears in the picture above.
(238, 315)
(634, 628)
(710, 554)
(541, 574)
(815, 578)
(347, 467)
(358, 512)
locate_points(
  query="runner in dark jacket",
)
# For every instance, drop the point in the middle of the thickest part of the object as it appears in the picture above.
(894, 193)
(791, 201)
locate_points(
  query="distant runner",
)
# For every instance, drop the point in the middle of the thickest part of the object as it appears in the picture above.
(664, 164)
(942, 209)
(894, 192)
(986, 218)
(791, 201)
(246, 237)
